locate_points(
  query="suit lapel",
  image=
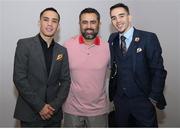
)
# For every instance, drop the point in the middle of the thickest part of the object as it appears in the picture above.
(116, 45)
(113, 44)
(40, 55)
(55, 53)
(135, 45)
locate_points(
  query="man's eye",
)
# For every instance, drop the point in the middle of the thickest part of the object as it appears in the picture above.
(55, 21)
(84, 22)
(113, 18)
(93, 22)
(45, 19)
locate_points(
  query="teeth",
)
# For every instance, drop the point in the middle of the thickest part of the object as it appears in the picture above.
(119, 26)
(88, 31)
(49, 29)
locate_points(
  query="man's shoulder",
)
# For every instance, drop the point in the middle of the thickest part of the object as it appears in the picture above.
(59, 46)
(143, 32)
(71, 41)
(29, 38)
(113, 36)
(27, 41)
(103, 43)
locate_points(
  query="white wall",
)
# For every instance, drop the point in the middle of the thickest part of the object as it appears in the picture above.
(19, 19)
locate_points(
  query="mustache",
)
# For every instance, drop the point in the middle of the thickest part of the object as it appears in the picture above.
(89, 29)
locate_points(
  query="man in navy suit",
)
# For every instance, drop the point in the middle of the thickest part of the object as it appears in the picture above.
(140, 72)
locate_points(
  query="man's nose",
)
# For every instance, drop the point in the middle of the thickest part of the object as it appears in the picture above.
(49, 22)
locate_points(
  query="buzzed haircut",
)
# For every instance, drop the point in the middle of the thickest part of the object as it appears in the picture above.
(120, 5)
(50, 9)
(90, 10)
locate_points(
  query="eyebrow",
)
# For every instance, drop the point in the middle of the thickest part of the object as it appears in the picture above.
(120, 14)
(88, 21)
(49, 18)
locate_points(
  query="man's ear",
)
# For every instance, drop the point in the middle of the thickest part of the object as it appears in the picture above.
(39, 23)
(58, 28)
(99, 23)
(130, 18)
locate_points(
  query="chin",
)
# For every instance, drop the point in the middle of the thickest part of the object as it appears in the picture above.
(120, 31)
(49, 35)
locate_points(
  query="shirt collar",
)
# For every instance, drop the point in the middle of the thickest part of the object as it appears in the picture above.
(96, 41)
(44, 42)
(129, 33)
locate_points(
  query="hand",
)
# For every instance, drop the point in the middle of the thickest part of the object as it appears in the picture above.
(153, 102)
(112, 107)
(47, 112)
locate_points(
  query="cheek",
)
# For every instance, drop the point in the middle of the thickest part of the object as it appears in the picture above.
(55, 28)
(96, 28)
(82, 28)
(114, 23)
(127, 20)
(42, 28)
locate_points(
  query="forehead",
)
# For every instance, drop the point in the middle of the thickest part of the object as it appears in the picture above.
(117, 11)
(89, 16)
(50, 14)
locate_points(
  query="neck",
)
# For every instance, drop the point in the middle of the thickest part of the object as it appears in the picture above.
(127, 29)
(47, 39)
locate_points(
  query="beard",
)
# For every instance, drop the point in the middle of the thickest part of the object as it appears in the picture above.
(89, 36)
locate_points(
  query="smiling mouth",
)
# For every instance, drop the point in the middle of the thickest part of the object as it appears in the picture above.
(49, 29)
(89, 32)
(119, 25)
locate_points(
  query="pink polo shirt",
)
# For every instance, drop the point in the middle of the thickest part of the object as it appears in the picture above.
(88, 67)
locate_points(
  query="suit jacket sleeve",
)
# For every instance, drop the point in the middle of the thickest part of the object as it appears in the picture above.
(64, 83)
(20, 77)
(155, 64)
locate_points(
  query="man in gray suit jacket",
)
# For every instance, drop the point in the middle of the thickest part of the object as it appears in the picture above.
(41, 75)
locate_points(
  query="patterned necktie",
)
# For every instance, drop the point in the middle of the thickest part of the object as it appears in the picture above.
(123, 45)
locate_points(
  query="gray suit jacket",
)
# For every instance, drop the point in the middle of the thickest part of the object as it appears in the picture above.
(32, 82)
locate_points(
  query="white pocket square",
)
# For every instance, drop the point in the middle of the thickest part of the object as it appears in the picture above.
(138, 50)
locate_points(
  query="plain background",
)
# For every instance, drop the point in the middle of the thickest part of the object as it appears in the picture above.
(19, 19)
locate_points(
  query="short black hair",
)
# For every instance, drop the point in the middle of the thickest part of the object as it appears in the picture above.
(121, 5)
(90, 10)
(50, 9)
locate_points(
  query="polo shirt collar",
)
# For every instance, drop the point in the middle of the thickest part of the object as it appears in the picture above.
(96, 41)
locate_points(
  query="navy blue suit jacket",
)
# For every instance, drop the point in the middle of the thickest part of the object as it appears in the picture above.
(148, 69)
